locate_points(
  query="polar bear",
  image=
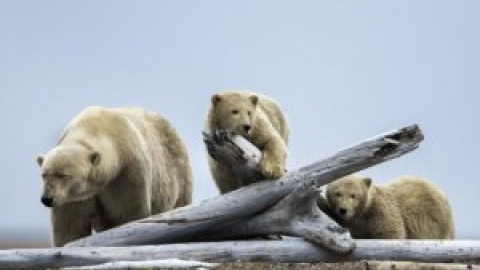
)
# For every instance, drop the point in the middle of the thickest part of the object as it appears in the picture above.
(112, 166)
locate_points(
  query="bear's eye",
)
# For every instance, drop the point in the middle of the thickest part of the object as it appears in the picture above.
(353, 196)
(60, 175)
(249, 113)
(338, 194)
(234, 111)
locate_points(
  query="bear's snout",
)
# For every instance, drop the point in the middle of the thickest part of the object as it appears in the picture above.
(47, 201)
(342, 211)
(247, 128)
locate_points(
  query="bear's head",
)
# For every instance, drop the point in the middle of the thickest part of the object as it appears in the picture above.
(67, 173)
(349, 197)
(234, 112)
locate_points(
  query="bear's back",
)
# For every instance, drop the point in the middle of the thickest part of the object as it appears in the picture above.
(425, 208)
(117, 122)
(167, 150)
(145, 140)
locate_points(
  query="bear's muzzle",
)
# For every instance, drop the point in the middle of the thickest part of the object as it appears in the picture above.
(47, 201)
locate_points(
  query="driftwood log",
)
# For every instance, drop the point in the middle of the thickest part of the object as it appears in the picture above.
(296, 215)
(388, 265)
(235, 207)
(147, 265)
(368, 265)
(290, 250)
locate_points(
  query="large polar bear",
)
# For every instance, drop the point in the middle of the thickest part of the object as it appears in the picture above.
(112, 166)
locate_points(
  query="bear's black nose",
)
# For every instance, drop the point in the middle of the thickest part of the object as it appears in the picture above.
(342, 211)
(47, 201)
(247, 128)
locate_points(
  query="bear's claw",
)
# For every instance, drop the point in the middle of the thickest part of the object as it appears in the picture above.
(271, 170)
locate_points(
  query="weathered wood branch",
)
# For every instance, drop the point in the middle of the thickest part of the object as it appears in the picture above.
(369, 265)
(296, 215)
(236, 153)
(151, 264)
(287, 250)
(183, 223)
(387, 265)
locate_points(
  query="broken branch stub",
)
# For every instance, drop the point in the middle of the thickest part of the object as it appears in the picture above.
(236, 153)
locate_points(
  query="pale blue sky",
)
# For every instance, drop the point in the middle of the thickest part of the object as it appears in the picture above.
(342, 71)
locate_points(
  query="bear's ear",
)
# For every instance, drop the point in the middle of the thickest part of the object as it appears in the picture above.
(95, 158)
(40, 160)
(367, 181)
(254, 99)
(216, 99)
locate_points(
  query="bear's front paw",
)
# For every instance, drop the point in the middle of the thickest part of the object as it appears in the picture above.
(271, 169)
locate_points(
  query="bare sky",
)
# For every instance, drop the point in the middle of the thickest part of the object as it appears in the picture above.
(342, 73)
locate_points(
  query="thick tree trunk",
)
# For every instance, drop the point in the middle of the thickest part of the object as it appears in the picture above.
(186, 222)
(287, 250)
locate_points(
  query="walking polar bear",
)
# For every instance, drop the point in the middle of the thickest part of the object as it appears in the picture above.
(112, 166)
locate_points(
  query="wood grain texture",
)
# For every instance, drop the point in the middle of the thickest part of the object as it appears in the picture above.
(290, 250)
